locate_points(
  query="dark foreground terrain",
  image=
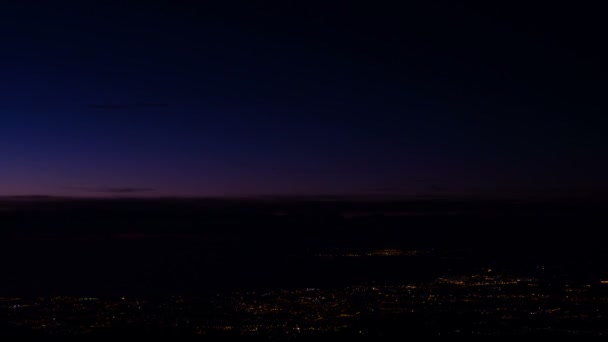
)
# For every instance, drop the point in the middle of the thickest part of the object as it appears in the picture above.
(302, 268)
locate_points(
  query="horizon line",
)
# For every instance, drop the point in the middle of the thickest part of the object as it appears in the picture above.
(329, 196)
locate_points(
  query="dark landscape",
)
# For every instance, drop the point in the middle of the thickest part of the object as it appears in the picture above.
(300, 267)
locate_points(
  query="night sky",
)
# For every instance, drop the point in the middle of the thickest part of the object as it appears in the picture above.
(189, 98)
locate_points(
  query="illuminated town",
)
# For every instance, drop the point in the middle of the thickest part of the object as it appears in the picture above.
(482, 303)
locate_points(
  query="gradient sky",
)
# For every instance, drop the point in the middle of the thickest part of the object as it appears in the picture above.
(177, 98)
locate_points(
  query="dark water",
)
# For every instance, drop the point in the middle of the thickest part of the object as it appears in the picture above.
(116, 249)
(182, 266)
(159, 266)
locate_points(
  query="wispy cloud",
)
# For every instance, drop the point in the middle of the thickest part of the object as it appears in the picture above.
(127, 106)
(115, 190)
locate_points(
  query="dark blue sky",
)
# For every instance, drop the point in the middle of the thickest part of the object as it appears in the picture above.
(177, 98)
